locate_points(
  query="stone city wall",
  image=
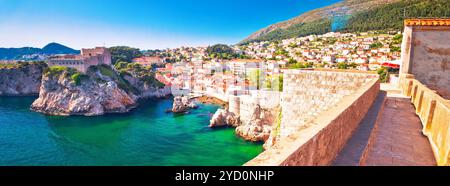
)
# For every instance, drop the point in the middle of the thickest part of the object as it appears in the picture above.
(425, 77)
(307, 93)
(320, 112)
(426, 55)
(245, 105)
(434, 112)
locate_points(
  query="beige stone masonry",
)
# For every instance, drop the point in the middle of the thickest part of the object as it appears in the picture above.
(320, 112)
(434, 112)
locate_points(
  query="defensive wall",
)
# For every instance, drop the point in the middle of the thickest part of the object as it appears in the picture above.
(320, 111)
(425, 78)
(426, 53)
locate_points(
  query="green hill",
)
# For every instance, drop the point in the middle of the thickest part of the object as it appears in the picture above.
(353, 16)
(50, 49)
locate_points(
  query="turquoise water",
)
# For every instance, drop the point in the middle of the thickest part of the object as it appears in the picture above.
(145, 136)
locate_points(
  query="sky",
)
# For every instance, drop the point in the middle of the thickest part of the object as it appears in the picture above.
(145, 24)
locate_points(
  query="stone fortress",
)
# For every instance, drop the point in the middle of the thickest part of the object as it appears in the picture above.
(325, 112)
(310, 100)
(87, 58)
(426, 53)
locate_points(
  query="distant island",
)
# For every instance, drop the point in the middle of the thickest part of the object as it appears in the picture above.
(33, 54)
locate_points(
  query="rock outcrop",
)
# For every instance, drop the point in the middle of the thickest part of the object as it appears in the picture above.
(21, 79)
(259, 127)
(223, 118)
(262, 126)
(65, 92)
(182, 104)
(147, 89)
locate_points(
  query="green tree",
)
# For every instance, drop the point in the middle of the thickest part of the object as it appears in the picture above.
(124, 53)
(383, 72)
(121, 65)
(387, 17)
(376, 45)
(221, 51)
(353, 65)
(342, 65)
(292, 61)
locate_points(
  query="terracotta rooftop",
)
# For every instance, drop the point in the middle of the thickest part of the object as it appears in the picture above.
(428, 22)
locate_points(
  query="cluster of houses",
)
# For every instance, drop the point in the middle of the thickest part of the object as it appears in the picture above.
(219, 79)
(181, 54)
(149, 61)
(369, 51)
(188, 69)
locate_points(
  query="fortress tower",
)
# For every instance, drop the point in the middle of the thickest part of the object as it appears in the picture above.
(88, 57)
(426, 53)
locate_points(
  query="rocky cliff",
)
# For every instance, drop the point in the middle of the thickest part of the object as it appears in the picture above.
(21, 79)
(145, 89)
(143, 80)
(66, 92)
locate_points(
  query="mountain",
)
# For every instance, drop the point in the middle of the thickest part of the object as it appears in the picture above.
(31, 53)
(352, 16)
(56, 48)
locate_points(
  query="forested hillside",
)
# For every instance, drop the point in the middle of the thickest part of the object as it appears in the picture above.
(388, 16)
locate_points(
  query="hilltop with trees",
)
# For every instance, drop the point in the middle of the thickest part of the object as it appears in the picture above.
(222, 51)
(124, 53)
(353, 16)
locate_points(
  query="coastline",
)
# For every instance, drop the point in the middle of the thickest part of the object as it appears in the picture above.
(147, 134)
(211, 100)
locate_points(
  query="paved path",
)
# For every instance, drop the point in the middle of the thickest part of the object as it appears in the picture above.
(354, 149)
(398, 140)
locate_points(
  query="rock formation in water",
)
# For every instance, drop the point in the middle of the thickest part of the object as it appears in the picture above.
(223, 117)
(21, 79)
(66, 92)
(182, 104)
(259, 126)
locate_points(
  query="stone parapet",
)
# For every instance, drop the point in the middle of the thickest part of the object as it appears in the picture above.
(320, 112)
(307, 93)
(434, 112)
(427, 22)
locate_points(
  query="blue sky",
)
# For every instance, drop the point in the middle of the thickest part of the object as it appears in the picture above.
(146, 24)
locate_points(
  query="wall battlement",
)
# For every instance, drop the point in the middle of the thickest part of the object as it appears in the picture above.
(320, 111)
(307, 93)
(434, 112)
(426, 53)
(425, 77)
(88, 57)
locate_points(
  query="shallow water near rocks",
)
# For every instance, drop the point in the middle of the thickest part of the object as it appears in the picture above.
(145, 136)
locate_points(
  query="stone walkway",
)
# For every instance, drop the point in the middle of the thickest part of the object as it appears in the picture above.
(399, 140)
(351, 154)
